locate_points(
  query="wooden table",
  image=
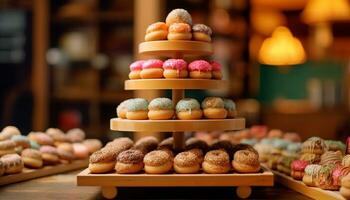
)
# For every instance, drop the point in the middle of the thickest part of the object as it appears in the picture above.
(63, 186)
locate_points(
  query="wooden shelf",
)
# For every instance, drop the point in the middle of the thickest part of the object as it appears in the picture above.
(177, 48)
(118, 124)
(163, 84)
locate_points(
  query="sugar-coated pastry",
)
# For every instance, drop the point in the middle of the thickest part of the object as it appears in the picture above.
(334, 145)
(49, 155)
(179, 31)
(187, 109)
(92, 145)
(195, 143)
(345, 187)
(80, 151)
(2, 168)
(199, 155)
(34, 145)
(314, 145)
(158, 162)
(8, 132)
(178, 15)
(200, 69)
(175, 68)
(129, 162)
(65, 156)
(57, 135)
(121, 109)
(76, 135)
(137, 109)
(346, 160)
(156, 31)
(216, 162)
(275, 133)
(213, 108)
(324, 178)
(66, 146)
(245, 161)
(339, 173)
(161, 109)
(103, 160)
(13, 163)
(135, 69)
(329, 157)
(21, 141)
(311, 173)
(146, 144)
(216, 70)
(32, 158)
(202, 32)
(298, 167)
(311, 158)
(7, 147)
(293, 137)
(186, 163)
(152, 68)
(41, 138)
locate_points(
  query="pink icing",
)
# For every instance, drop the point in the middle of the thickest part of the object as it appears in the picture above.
(48, 149)
(215, 66)
(152, 63)
(178, 64)
(137, 65)
(200, 65)
(299, 165)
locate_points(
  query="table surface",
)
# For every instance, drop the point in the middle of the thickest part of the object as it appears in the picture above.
(63, 186)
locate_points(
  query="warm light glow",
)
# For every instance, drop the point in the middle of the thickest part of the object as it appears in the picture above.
(326, 10)
(282, 49)
(265, 20)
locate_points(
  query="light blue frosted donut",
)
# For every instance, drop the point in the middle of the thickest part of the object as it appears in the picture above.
(212, 102)
(18, 138)
(161, 104)
(294, 147)
(137, 104)
(229, 105)
(34, 145)
(187, 104)
(266, 141)
(280, 144)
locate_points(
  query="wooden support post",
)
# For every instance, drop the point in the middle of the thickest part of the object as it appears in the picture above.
(179, 137)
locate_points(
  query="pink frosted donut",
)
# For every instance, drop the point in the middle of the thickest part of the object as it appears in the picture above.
(48, 149)
(200, 65)
(178, 64)
(137, 65)
(41, 138)
(80, 151)
(152, 63)
(215, 66)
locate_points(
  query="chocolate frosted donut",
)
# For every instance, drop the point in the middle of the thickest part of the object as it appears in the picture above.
(158, 162)
(246, 161)
(146, 144)
(195, 143)
(216, 162)
(129, 161)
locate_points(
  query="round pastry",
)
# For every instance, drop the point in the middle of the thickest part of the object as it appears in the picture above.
(175, 68)
(345, 187)
(76, 135)
(314, 145)
(216, 162)
(275, 133)
(187, 109)
(298, 167)
(41, 138)
(238, 147)
(324, 178)
(66, 146)
(13, 163)
(199, 155)
(311, 158)
(333, 145)
(103, 160)
(92, 145)
(167, 144)
(158, 162)
(146, 144)
(216, 70)
(230, 106)
(339, 173)
(34, 145)
(161, 109)
(213, 108)
(49, 154)
(293, 137)
(311, 173)
(202, 32)
(80, 151)
(121, 144)
(156, 31)
(57, 135)
(21, 141)
(245, 161)
(135, 69)
(186, 163)
(152, 68)
(137, 109)
(346, 160)
(121, 109)
(257, 131)
(179, 31)
(178, 16)
(129, 162)
(263, 150)
(200, 69)
(195, 143)
(331, 157)
(32, 158)
(8, 132)
(65, 156)
(7, 147)
(2, 168)
(223, 145)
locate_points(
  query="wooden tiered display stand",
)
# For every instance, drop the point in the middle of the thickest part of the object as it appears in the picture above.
(175, 49)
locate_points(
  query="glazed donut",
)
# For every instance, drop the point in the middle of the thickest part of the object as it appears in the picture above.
(314, 145)
(187, 109)
(129, 162)
(13, 163)
(76, 135)
(330, 157)
(213, 108)
(156, 31)
(202, 32)
(158, 162)
(179, 31)
(230, 106)
(216, 162)
(161, 109)
(103, 160)
(175, 68)
(178, 15)
(137, 109)
(8, 132)
(186, 163)
(92, 145)
(57, 135)
(41, 138)
(195, 143)
(49, 155)
(135, 69)
(200, 69)
(80, 151)
(65, 156)
(146, 144)
(246, 161)
(7, 147)
(152, 68)
(121, 109)
(32, 158)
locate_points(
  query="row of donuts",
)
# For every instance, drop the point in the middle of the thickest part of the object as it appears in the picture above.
(178, 26)
(186, 109)
(42, 148)
(174, 68)
(124, 157)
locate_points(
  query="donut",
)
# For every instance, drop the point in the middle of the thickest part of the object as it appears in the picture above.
(186, 163)
(175, 68)
(216, 162)
(311, 173)
(238, 147)
(223, 145)
(121, 109)
(2, 168)
(57, 135)
(331, 157)
(202, 32)
(199, 155)
(75, 135)
(92, 145)
(293, 149)
(13, 163)
(21, 141)
(167, 144)
(334, 145)
(137, 109)
(275, 133)
(7, 147)
(298, 167)
(178, 15)
(179, 31)
(263, 150)
(121, 144)
(230, 106)
(314, 145)
(156, 31)
(49, 155)
(34, 145)
(80, 151)
(216, 70)
(311, 158)
(245, 161)
(152, 68)
(324, 179)
(146, 144)
(200, 69)
(41, 138)
(346, 160)
(195, 143)
(66, 146)
(213, 108)
(339, 173)
(103, 160)
(293, 137)
(8, 132)
(188, 109)
(158, 162)
(161, 109)
(129, 162)
(65, 156)
(135, 69)
(32, 158)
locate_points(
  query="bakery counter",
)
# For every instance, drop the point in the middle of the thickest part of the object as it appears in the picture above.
(63, 186)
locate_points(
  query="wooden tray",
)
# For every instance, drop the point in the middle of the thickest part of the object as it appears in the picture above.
(28, 174)
(109, 182)
(163, 84)
(176, 49)
(118, 124)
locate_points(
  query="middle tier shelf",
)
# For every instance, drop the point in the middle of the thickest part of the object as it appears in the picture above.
(119, 124)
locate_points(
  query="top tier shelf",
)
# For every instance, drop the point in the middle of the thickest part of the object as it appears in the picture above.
(176, 48)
